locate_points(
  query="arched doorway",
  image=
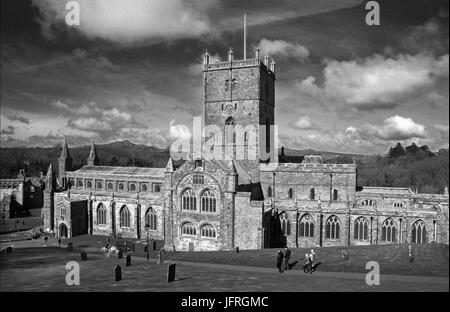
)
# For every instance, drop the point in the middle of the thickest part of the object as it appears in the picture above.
(63, 231)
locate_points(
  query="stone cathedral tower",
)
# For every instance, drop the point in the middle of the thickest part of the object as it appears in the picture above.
(241, 94)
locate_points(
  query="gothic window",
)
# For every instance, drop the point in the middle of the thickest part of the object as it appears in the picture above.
(233, 84)
(157, 188)
(132, 187)
(208, 201)
(332, 228)
(89, 184)
(419, 232)
(361, 229)
(109, 186)
(188, 229)
(388, 231)
(368, 202)
(312, 194)
(198, 179)
(285, 224)
(335, 195)
(124, 217)
(198, 163)
(99, 185)
(306, 226)
(150, 219)
(227, 84)
(63, 211)
(101, 214)
(121, 186)
(144, 187)
(188, 200)
(269, 192)
(290, 193)
(79, 183)
(208, 231)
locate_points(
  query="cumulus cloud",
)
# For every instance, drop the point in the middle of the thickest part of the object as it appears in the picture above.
(179, 131)
(8, 130)
(131, 21)
(304, 123)
(283, 49)
(395, 128)
(377, 81)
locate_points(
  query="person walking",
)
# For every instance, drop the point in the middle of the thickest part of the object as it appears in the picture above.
(279, 260)
(160, 255)
(59, 242)
(287, 256)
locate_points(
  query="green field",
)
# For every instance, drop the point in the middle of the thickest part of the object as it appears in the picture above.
(39, 266)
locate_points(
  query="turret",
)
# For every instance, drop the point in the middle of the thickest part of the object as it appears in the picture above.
(65, 164)
(47, 211)
(232, 177)
(93, 159)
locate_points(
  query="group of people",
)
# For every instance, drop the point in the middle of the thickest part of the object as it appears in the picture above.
(286, 256)
(309, 260)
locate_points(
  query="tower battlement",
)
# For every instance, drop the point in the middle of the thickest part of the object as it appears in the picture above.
(231, 63)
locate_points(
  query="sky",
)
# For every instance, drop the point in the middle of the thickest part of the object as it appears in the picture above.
(132, 70)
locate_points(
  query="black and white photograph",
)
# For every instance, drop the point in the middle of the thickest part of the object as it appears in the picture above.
(223, 151)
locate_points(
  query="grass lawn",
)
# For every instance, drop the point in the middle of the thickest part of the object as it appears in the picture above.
(33, 267)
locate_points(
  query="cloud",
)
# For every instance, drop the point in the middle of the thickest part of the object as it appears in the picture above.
(18, 118)
(179, 131)
(304, 123)
(377, 81)
(8, 130)
(395, 128)
(131, 21)
(105, 123)
(283, 49)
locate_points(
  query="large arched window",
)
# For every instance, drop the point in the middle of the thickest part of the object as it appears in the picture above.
(99, 185)
(157, 188)
(101, 214)
(132, 187)
(109, 186)
(208, 231)
(144, 187)
(188, 200)
(312, 194)
(306, 226)
(89, 184)
(388, 231)
(124, 217)
(150, 219)
(419, 232)
(120, 186)
(285, 224)
(361, 229)
(332, 228)
(79, 183)
(188, 229)
(208, 201)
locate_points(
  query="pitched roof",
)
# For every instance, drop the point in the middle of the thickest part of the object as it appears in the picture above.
(136, 171)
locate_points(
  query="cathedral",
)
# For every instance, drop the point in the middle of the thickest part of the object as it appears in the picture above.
(250, 200)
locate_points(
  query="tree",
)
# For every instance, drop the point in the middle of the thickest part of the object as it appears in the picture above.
(396, 151)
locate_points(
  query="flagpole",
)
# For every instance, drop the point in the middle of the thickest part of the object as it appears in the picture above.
(245, 35)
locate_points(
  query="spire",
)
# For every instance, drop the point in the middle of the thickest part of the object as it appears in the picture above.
(50, 178)
(93, 159)
(169, 167)
(65, 151)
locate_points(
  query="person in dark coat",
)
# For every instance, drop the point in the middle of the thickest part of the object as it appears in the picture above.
(59, 242)
(287, 256)
(279, 260)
